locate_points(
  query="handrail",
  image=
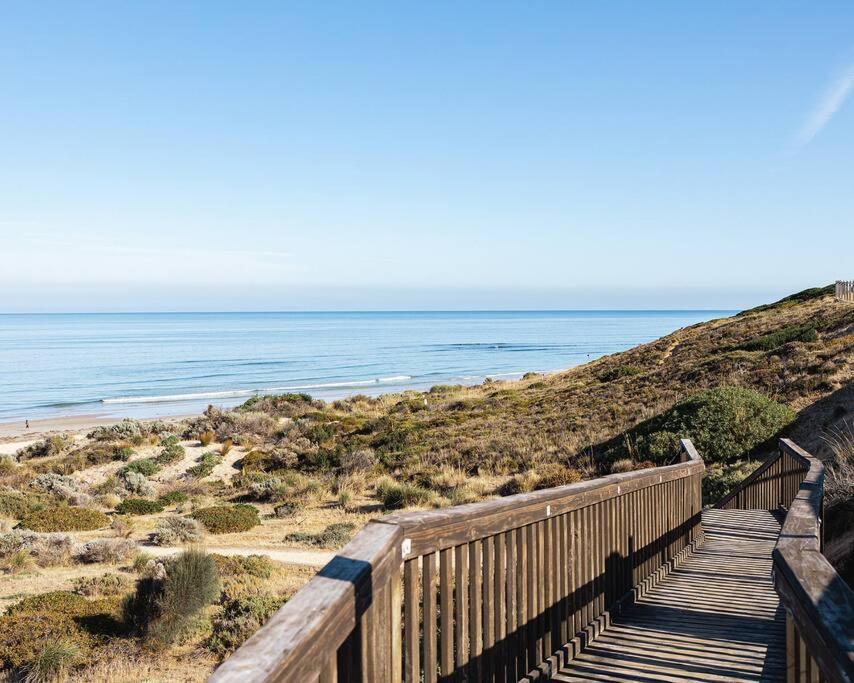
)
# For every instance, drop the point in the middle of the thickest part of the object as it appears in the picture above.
(819, 604)
(518, 583)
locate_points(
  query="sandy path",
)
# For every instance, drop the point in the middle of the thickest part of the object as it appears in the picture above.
(310, 558)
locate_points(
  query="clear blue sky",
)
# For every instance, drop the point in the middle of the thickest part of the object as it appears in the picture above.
(196, 156)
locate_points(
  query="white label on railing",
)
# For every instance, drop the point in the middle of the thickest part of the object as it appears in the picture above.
(548, 510)
(406, 547)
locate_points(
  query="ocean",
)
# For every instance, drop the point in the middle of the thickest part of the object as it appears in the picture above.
(159, 364)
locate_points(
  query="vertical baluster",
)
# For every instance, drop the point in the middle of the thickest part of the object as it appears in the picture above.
(461, 580)
(446, 606)
(488, 617)
(475, 607)
(411, 635)
(429, 611)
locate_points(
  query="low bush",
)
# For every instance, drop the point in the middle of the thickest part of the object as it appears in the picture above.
(524, 482)
(18, 505)
(54, 659)
(101, 586)
(65, 519)
(785, 335)
(144, 466)
(239, 618)
(126, 430)
(725, 424)
(162, 608)
(139, 506)
(286, 509)
(258, 566)
(136, 483)
(332, 537)
(175, 530)
(554, 474)
(395, 495)
(62, 487)
(109, 550)
(173, 498)
(171, 453)
(52, 446)
(206, 438)
(47, 550)
(721, 478)
(30, 624)
(223, 519)
(207, 462)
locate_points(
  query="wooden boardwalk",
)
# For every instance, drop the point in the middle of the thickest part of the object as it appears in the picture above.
(716, 617)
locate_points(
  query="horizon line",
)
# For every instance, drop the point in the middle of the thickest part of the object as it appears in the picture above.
(362, 311)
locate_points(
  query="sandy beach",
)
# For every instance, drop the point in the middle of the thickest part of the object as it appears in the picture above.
(17, 431)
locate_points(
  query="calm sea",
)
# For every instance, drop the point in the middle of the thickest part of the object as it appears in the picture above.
(148, 364)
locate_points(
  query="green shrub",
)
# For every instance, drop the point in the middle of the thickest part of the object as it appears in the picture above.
(171, 453)
(721, 478)
(239, 618)
(774, 340)
(725, 425)
(145, 467)
(59, 602)
(65, 519)
(30, 624)
(169, 440)
(139, 506)
(173, 498)
(162, 608)
(18, 505)
(207, 462)
(395, 495)
(258, 566)
(223, 519)
(333, 536)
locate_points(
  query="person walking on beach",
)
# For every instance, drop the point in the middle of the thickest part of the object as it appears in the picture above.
(28, 423)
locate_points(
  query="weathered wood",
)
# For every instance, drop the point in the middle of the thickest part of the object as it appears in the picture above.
(298, 639)
(446, 609)
(429, 622)
(432, 530)
(819, 603)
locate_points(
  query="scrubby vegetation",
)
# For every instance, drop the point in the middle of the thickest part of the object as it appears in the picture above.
(139, 506)
(224, 519)
(65, 519)
(163, 605)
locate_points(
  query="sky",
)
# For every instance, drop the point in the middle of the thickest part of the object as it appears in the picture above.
(443, 155)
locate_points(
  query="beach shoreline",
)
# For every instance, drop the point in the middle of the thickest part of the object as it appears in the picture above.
(17, 431)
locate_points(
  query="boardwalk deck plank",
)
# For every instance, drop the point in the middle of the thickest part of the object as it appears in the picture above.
(717, 617)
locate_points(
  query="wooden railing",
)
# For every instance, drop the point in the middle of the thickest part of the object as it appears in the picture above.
(819, 604)
(771, 486)
(845, 290)
(489, 591)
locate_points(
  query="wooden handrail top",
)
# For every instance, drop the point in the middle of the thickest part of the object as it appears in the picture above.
(431, 530)
(320, 616)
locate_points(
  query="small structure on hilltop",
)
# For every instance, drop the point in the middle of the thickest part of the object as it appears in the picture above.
(845, 290)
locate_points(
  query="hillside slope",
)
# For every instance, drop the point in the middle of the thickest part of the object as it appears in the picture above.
(799, 352)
